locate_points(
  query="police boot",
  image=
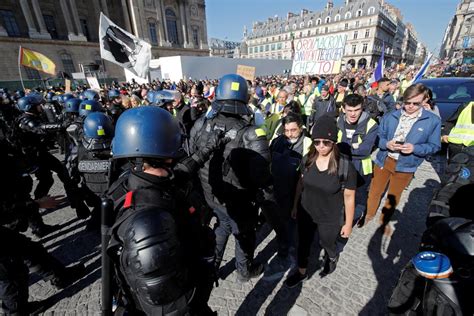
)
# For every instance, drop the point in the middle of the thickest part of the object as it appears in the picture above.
(82, 211)
(68, 276)
(253, 271)
(43, 230)
(330, 265)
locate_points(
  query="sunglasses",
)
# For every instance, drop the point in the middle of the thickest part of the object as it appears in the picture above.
(325, 142)
(413, 103)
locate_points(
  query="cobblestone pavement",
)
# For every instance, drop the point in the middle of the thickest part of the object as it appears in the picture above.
(368, 268)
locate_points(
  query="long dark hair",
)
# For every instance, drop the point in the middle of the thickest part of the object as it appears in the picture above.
(333, 160)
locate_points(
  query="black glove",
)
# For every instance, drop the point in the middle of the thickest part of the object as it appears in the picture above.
(216, 140)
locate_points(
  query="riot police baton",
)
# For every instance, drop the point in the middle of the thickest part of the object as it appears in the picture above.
(106, 219)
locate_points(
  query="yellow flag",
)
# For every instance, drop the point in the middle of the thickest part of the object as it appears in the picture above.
(37, 61)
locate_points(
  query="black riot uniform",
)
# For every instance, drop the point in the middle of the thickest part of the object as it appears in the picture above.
(90, 165)
(19, 254)
(162, 254)
(30, 134)
(233, 177)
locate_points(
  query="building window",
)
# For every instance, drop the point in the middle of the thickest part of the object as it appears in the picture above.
(359, 13)
(196, 36)
(9, 23)
(172, 26)
(309, 32)
(356, 34)
(357, 23)
(346, 26)
(279, 37)
(318, 22)
(348, 15)
(367, 33)
(326, 29)
(301, 25)
(68, 63)
(261, 49)
(371, 10)
(294, 26)
(328, 19)
(273, 47)
(310, 23)
(267, 47)
(85, 29)
(98, 61)
(32, 73)
(152, 29)
(279, 45)
(250, 50)
(301, 34)
(50, 26)
(337, 18)
(364, 48)
(354, 47)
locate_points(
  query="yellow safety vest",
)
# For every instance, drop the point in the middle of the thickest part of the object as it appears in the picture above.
(271, 124)
(367, 161)
(463, 132)
(305, 104)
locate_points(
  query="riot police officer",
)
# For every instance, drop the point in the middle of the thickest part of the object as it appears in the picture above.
(19, 254)
(233, 177)
(30, 134)
(90, 165)
(115, 108)
(168, 269)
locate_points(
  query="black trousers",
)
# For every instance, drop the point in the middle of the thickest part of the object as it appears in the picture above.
(19, 256)
(328, 236)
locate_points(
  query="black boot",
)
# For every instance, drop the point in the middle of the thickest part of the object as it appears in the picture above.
(68, 276)
(253, 272)
(330, 265)
(43, 230)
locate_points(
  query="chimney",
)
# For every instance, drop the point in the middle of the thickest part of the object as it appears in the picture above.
(304, 12)
(290, 15)
(329, 5)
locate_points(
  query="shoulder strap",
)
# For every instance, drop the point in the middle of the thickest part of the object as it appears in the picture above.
(343, 171)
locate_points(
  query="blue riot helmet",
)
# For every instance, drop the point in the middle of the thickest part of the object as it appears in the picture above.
(72, 105)
(91, 95)
(98, 131)
(147, 132)
(66, 97)
(57, 98)
(114, 93)
(25, 104)
(36, 97)
(88, 106)
(150, 96)
(162, 97)
(232, 95)
(49, 96)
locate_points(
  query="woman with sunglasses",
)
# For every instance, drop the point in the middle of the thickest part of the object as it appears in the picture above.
(324, 200)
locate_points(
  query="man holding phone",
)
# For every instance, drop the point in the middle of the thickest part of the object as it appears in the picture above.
(406, 136)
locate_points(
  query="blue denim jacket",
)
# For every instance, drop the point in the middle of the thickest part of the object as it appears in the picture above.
(425, 135)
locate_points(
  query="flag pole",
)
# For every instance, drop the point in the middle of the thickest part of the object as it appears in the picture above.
(19, 69)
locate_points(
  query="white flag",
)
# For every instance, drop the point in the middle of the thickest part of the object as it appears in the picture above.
(122, 48)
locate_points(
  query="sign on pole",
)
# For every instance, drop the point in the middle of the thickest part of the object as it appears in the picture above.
(248, 72)
(93, 83)
(67, 85)
(318, 55)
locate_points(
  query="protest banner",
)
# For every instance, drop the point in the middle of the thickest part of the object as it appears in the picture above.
(248, 72)
(67, 85)
(93, 83)
(319, 55)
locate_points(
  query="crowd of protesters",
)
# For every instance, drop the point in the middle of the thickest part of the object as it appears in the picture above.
(322, 133)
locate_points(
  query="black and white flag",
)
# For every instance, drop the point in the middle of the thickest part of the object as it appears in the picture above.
(122, 48)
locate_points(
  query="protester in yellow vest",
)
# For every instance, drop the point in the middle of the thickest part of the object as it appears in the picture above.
(274, 115)
(306, 100)
(459, 130)
(287, 151)
(357, 133)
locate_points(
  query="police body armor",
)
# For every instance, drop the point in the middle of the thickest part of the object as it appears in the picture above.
(240, 168)
(148, 255)
(93, 165)
(456, 192)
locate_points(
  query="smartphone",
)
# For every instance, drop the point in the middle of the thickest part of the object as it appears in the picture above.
(399, 142)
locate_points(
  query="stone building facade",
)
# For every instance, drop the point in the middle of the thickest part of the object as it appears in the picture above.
(458, 41)
(222, 48)
(368, 25)
(66, 31)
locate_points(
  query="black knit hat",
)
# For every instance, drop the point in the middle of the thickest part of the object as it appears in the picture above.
(325, 128)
